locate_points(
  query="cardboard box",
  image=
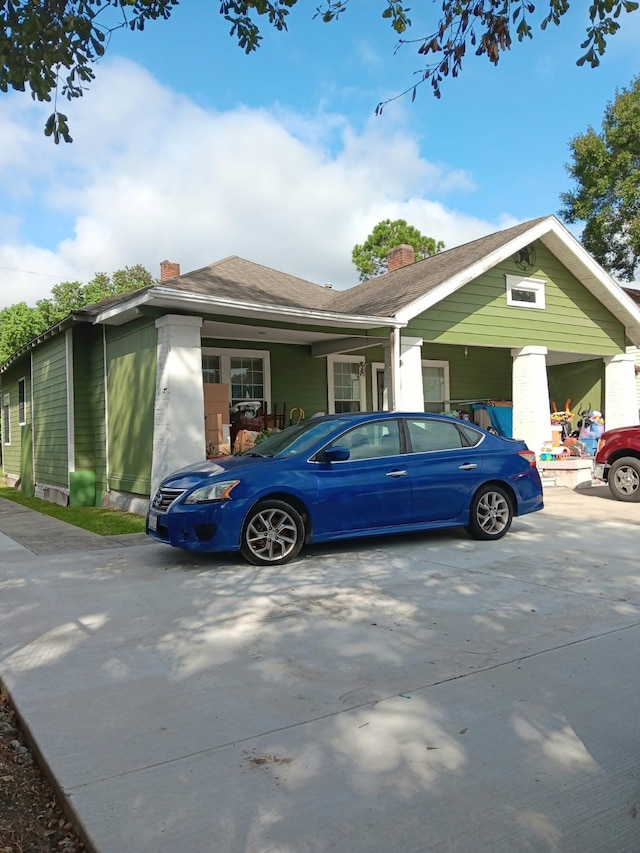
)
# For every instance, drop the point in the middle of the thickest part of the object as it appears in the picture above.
(216, 412)
(245, 440)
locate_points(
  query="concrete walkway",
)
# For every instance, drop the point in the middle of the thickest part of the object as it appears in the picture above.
(41, 534)
(423, 693)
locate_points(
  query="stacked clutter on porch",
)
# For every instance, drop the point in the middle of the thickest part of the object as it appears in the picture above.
(567, 458)
(567, 442)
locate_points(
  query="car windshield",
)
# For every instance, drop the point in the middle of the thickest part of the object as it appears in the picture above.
(295, 439)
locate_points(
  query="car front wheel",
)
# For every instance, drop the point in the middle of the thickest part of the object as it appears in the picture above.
(273, 533)
(624, 479)
(491, 513)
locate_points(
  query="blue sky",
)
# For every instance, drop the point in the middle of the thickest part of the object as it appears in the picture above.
(185, 148)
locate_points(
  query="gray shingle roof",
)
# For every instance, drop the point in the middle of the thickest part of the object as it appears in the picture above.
(244, 281)
(387, 294)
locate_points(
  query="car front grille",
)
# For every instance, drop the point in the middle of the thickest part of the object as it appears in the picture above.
(163, 498)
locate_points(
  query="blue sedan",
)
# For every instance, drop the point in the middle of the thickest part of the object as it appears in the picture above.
(346, 476)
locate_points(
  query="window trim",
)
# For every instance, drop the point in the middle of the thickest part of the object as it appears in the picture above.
(225, 366)
(22, 406)
(331, 391)
(534, 285)
(377, 367)
(446, 402)
(6, 418)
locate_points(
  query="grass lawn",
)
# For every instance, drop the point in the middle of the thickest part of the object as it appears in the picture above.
(105, 522)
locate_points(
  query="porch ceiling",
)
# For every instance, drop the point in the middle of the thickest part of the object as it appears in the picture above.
(266, 334)
(555, 357)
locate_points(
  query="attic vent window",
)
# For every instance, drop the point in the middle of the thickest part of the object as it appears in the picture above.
(525, 292)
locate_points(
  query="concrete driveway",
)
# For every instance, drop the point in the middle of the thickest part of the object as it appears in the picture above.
(423, 693)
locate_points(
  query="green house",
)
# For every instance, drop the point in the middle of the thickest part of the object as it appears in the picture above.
(100, 407)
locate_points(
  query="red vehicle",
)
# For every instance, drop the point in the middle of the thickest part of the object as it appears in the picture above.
(618, 462)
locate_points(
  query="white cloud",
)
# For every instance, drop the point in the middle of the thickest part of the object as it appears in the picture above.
(151, 176)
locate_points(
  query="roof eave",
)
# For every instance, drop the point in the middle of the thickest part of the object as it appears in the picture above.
(173, 298)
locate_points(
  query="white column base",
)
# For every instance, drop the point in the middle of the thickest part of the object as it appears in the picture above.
(531, 413)
(411, 390)
(178, 428)
(620, 394)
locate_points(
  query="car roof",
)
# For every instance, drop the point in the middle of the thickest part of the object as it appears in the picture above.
(366, 416)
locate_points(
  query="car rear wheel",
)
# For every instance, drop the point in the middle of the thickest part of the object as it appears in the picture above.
(491, 513)
(624, 479)
(273, 533)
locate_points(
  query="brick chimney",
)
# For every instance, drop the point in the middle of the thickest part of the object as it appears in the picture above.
(400, 256)
(168, 270)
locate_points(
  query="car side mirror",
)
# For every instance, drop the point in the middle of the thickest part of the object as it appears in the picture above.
(336, 454)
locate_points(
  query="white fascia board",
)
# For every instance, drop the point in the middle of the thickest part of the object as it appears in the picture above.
(418, 306)
(165, 297)
(596, 279)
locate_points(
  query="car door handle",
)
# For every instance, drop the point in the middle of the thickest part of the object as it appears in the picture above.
(396, 474)
(468, 466)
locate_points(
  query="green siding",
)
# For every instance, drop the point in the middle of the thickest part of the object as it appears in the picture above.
(26, 460)
(89, 410)
(98, 407)
(572, 321)
(582, 383)
(297, 379)
(12, 453)
(483, 373)
(131, 389)
(82, 410)
(50, 412)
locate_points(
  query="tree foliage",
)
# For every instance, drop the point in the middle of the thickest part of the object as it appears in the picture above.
(370, 258)
(606, 170)
(49, 47)
(20, 323)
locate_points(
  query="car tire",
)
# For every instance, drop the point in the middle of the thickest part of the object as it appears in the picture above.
(272, 534)
(490, 514)
(624, 479)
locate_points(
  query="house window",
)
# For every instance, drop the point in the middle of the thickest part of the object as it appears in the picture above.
(247, 378)
(211, 369)
(22, 415)
(6, 420)
(435, 386)
(347, 384)
(525, 292)
(246, 372)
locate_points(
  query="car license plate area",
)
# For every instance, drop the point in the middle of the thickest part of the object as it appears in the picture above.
(598, 471)
(152, 522)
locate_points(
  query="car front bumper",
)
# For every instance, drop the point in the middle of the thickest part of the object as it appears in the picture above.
(201, 527)
(600, 471)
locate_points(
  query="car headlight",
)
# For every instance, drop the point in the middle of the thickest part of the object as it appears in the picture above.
(211, 492)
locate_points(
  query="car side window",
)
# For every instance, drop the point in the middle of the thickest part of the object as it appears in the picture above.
(472, 436)
(429, 435)
(372, 440)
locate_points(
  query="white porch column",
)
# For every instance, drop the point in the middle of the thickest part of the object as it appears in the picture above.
(531, 413)
(620, 397)
(178, 424)
(411, 398)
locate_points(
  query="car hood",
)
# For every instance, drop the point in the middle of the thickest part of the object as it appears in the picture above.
(190, 476)
(633, 429)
